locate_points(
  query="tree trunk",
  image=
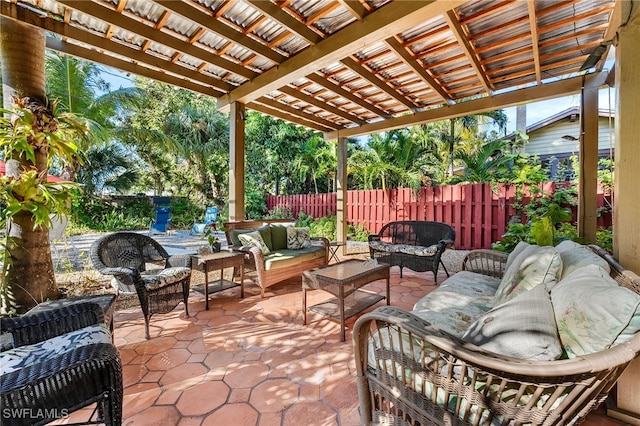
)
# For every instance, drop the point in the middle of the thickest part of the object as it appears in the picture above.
(30, 278)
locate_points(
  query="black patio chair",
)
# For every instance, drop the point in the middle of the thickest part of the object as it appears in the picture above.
(56, 361)
(414, 244)
(127, 255)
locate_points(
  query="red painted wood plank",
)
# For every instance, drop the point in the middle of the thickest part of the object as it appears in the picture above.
(487, 218)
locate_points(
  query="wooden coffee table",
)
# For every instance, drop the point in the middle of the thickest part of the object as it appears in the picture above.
(213, 261)
(344, 280)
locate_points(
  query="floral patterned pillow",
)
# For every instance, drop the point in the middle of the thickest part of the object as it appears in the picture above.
(593, 312)
(298, 238)
(532, 266)
(254, 239)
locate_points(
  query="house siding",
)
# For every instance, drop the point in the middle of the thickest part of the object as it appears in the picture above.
(548, 141)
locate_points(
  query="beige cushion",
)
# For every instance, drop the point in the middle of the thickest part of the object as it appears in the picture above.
(291, 258)
(593, 312)
(524, 327)
(516, 251)
(298, 238)
(532, 266)
(567, 245)
(458, 302)
(254, 239)
(578, 257)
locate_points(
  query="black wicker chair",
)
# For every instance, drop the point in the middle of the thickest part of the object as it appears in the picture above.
(43, 381)
(126, 256)
(414, 244)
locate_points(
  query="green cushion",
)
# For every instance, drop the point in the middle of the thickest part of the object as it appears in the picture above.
(279, 235)
(265, 233)
(287, 258)
(234, 235)
(524, 327)
(593, 312)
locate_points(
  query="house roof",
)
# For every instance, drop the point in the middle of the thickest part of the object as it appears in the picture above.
(567, 113)
(339, 66)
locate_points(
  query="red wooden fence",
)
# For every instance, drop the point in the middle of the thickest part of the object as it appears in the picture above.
(479, 213)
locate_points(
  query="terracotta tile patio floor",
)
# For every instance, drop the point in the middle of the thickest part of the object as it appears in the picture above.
(249, 361)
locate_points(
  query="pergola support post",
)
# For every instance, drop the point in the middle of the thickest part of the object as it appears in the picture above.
(626, 226)
(236, 161)
(588, 183)
(341, 193)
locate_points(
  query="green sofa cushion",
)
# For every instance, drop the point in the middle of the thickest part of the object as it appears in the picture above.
(279, 235)
(234, 235)
(286, 258)
(265, 233)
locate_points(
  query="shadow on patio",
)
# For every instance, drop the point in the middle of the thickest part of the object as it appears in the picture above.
(249, 361)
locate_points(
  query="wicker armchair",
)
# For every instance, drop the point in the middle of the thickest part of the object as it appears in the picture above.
(414, 244)
(57, 361)
(126, 255)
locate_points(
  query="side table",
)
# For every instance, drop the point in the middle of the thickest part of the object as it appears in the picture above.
(106, 301)
(334, 246)
(221, 260)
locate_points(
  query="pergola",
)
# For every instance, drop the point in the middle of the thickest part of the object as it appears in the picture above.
(355, 67)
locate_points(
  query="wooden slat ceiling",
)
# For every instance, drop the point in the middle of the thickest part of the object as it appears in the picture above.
(330, 65)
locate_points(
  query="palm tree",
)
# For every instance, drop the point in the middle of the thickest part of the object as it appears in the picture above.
(201, 134)
(80, 89)
(317, 158)
(483, 164)
(461, 128)
(393, 159)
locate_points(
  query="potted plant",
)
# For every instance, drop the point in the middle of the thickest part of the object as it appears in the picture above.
(212, 239)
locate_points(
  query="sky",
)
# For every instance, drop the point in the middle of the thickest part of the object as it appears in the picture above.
(536, 111)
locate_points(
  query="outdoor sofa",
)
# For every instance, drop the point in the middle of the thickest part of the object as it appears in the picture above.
(414, 244)
(284, 254)
(537, 337)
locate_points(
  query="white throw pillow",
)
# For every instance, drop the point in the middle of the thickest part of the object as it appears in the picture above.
(524, 327)
(578, 257)
(254, 239)
(298, 238)
(532, 266)
(593, 312)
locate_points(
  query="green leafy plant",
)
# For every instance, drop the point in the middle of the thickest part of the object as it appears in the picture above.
(32, 136)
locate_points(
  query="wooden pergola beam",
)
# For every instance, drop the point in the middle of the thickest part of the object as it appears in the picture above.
(376, 25)
(11, 10)
(122, 21)
(286, 116)
(341, 91)
(412, 63)
(467, 48)
(354, 7)
(283, 18)
(322, 105)
(373, 79)
(556, 89)
(199, 18)
(95, 56)
(301, 114)
(533, 26)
